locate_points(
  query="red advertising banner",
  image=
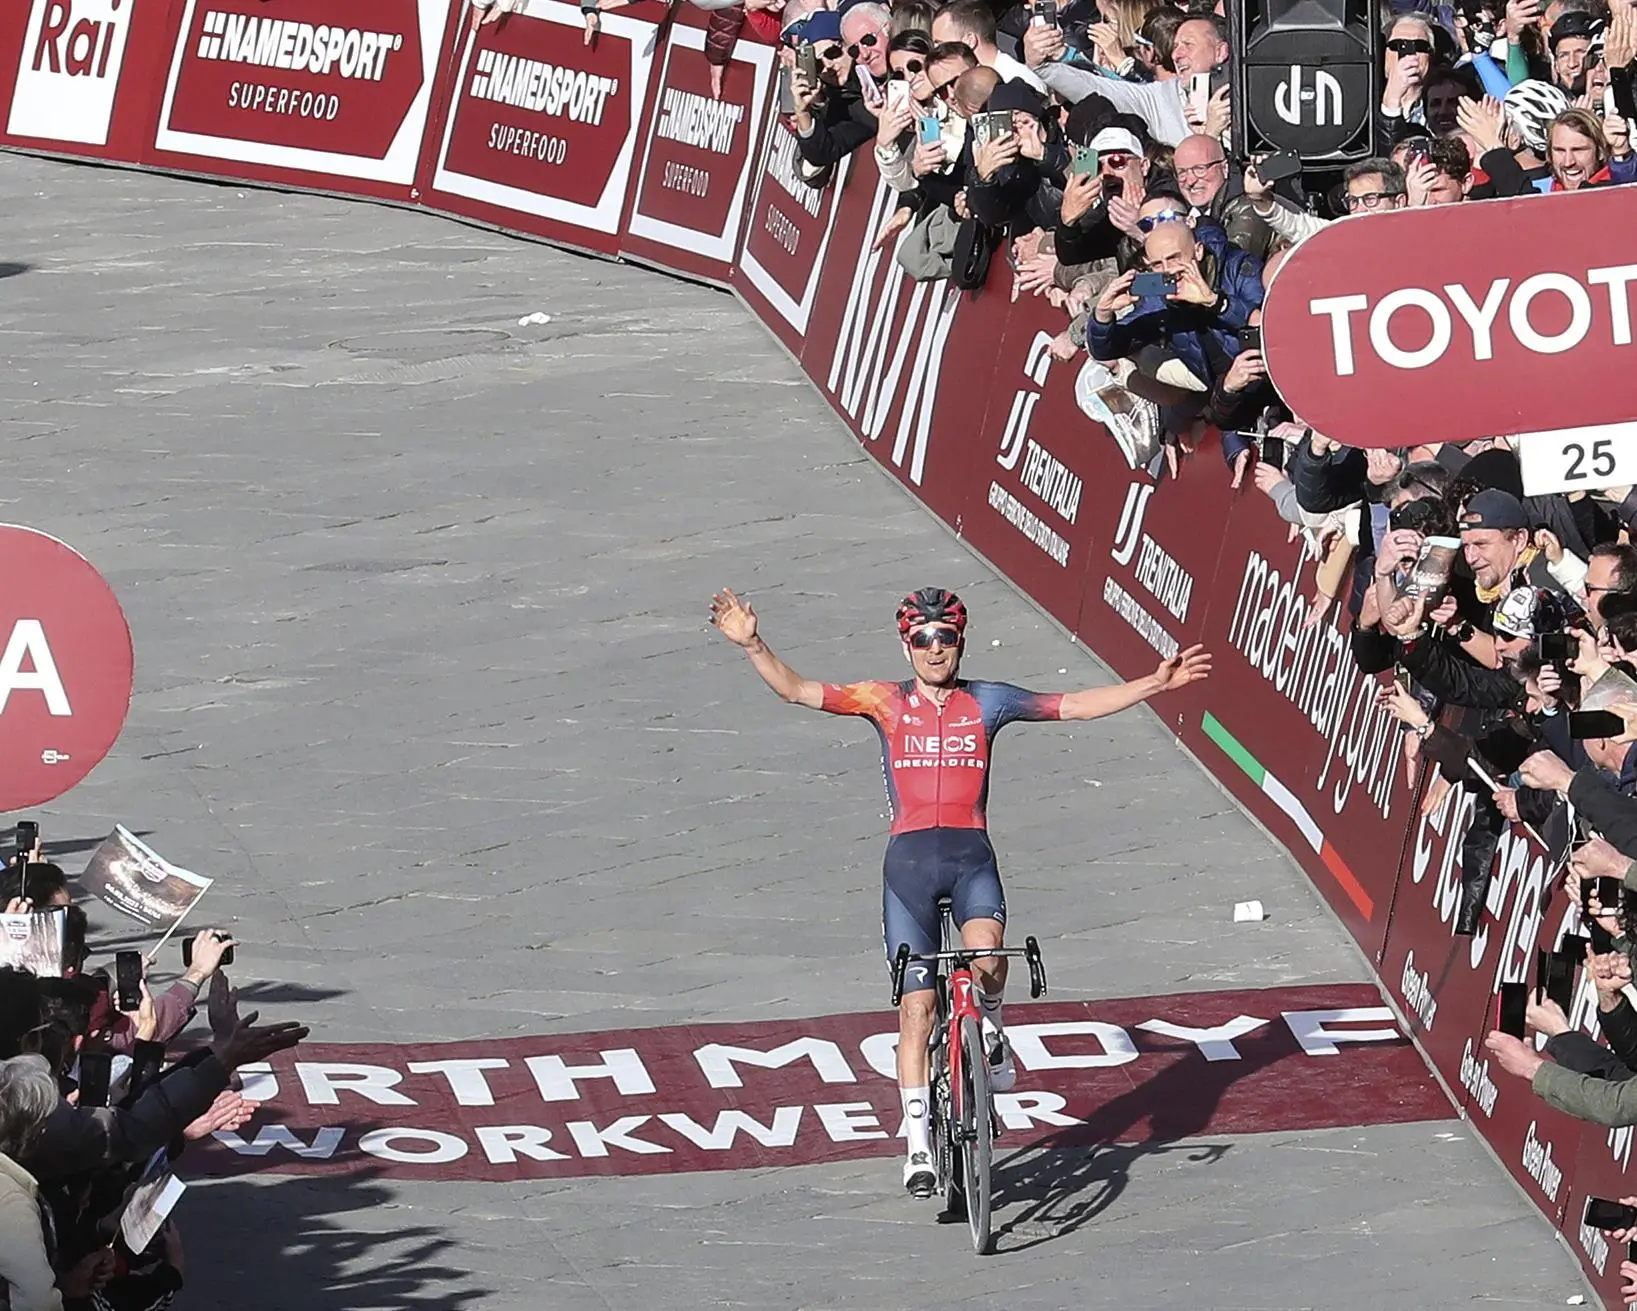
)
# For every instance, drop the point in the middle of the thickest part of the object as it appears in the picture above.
(75, 75)
(1291, 724)
(795, 1092)
(300, 85)
(65, 667)
(542, 128)
(688, 205)
(1462, 321)
(788, 233)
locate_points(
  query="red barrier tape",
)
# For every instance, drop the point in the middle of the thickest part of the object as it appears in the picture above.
(618, 148)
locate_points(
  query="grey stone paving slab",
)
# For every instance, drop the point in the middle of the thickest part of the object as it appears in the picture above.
(423, 678)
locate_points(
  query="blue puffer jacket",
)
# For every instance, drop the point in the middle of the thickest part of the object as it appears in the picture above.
(1204, 341)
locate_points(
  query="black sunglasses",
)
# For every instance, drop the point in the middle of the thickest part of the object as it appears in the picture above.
(831, 53)
(1409, 45)
(923, 638)
(910, 69)
(867, 40)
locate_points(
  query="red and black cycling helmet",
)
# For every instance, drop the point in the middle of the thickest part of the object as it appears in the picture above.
(931, 605)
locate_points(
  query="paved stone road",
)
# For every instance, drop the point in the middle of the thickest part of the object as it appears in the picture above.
(418, 599)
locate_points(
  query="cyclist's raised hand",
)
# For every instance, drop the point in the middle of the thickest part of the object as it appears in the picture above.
(734, 618)
(1183, 668)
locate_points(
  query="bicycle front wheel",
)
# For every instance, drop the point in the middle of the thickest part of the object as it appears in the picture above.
(977, 1129)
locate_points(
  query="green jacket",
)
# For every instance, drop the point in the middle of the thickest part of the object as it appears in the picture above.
(1602, 1101)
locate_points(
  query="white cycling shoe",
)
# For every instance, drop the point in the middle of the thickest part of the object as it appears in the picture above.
(1002, 1068)
(919, 1176)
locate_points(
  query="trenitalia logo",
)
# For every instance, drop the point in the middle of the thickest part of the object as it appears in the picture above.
(300, 47)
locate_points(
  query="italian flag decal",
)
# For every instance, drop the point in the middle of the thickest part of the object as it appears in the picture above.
(1281, 796)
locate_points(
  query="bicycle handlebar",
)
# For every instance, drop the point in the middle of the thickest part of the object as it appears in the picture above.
(1030, 951)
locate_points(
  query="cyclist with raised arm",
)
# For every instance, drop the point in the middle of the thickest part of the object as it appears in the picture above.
(935, 731)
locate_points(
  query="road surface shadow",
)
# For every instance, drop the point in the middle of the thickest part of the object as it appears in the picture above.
(333, 1243)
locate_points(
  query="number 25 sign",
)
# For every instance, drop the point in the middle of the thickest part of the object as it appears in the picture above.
(1579, 459)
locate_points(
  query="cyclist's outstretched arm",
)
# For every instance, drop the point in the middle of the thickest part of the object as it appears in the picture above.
(1185, 667)
(736, 621)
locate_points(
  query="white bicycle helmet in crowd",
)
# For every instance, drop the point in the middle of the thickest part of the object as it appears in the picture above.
(1530, 108)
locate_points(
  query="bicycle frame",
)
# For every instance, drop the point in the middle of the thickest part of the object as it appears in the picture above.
(963, 1107)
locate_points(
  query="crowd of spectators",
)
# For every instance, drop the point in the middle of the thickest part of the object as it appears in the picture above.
(1092, 141)
(95, 1100)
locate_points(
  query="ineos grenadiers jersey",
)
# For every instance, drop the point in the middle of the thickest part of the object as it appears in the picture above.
(936, 760)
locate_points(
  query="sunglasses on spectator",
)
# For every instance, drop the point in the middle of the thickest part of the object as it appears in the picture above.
(867, 41)
(1116, 160)
(946, 90)
(1147, 225)
(1409, 45)
(1371, 199)
(910, 69)
(923, 638)
(1201, 170)
(831, 53)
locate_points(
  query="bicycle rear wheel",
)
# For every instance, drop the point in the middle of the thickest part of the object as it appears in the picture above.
(977, 1129)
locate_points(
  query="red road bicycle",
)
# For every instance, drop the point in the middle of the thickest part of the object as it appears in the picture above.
(963, 1108)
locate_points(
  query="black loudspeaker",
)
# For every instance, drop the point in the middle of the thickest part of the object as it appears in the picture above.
(1306, 77)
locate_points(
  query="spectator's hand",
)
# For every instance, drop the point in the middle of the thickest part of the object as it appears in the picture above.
(962, 209)
(1513, 1054)
(1267, 478)
(1116, 298)
(1241, 462)
(1445, 614)
(1609, 972)
(1546, 1016)
(1484, 121)
(249, 1042)
(1419, 180)
(994, 155)
(19, 906)
(1549, 683)
(1317, 610)
(1519, 15)
(1620, 38)
(1080, 193)
(1217, 115)
(1192, 289)
(716, 71)
(892, 121)
(733, 618)
(1588, 661)
(89, 1274)
(1248, 369)
(146, 1016)
(1405, 616)
(1506, 801)
(803, 94)
(1123, 212)
(593, 25)
(1184, 667)
(1031, 136)
(1596, 859)
(1081, 297)
(1545, 771)
(1547, 542)
(1399, 547)
(1255, 188)
(1063, 347)
(1402, 706)
(1036, 272)
(1381, 466)
(891, 228)
(1041, 45)
(1105, 37)
(209, 946)
(928, 158)
(227, 1113)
